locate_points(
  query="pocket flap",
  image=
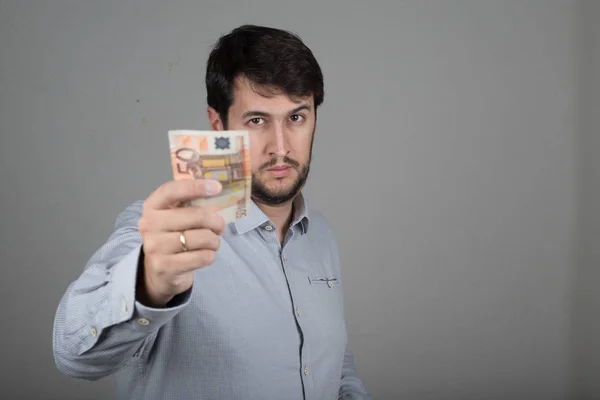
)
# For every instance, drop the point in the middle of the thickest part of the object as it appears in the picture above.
(330, 281)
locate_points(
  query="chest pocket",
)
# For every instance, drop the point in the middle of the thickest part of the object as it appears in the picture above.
(325, 286)
(325, 292)
(324, 282)
(327, 313)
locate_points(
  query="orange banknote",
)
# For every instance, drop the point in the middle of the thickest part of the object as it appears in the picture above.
(217, 155)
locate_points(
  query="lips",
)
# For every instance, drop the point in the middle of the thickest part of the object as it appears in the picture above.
(279, 168)
(280, 171)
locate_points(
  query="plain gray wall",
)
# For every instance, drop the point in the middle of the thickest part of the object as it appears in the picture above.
(446, 159)
(586, 316)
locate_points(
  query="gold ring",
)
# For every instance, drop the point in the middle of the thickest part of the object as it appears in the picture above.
(183, 241)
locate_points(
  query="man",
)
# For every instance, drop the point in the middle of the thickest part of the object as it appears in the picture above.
(180, 306)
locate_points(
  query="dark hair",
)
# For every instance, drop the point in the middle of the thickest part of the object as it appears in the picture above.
(270, 58)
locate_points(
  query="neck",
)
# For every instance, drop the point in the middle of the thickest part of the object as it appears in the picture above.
(280, 215)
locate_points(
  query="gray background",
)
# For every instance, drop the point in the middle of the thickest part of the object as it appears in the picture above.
(455, 158)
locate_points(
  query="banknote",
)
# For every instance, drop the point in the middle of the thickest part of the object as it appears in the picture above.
(217, 155)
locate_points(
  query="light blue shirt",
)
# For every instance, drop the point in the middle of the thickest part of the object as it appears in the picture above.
(263, 322)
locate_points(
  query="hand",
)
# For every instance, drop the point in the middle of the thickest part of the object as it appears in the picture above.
(168, 265)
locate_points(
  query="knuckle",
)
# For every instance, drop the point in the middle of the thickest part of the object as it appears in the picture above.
(143, 225)
(161, 195)
(164, 189)
(146, 222)
(178, 280)
(150, 245)
(145, 206)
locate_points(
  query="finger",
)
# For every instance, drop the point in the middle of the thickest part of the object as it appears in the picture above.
(176, 192)
(181, 219)
(184, 262)
(192, 260)
(170, 242)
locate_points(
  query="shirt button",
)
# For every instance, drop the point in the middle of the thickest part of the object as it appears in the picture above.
(297, 311)
(305, 370)
(94, 332)
(284, 258)
(329, 283)
(269, 227)
(143, 321)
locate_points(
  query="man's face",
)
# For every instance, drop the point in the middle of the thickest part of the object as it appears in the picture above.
(281, 135)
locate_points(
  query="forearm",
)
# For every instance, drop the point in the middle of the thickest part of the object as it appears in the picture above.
(99, 326)
(98, 352)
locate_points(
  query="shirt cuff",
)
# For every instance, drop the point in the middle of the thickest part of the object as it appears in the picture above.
(124, 305)
(148, 318)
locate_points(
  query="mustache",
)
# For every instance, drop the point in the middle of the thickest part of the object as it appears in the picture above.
(285, 159)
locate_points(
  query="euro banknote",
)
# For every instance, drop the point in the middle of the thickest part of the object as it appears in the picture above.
(216, 155)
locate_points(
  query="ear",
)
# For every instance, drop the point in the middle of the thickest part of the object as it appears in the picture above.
(216, 124)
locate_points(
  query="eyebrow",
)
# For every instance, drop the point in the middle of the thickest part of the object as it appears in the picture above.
(256, 113)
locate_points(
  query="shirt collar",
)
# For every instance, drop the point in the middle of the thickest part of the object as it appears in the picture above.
(300, 213)
(256, 217)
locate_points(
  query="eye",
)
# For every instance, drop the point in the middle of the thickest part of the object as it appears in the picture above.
(297, 117)
(255, 121)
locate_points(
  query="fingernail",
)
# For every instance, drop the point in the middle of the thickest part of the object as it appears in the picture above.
(212, 187)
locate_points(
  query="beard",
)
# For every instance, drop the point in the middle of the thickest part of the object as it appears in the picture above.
(262, 194)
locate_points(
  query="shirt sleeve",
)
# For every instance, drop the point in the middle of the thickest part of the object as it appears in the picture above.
(351, 387)
(99, 326)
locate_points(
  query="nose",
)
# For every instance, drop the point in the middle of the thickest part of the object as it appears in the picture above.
(280, 145)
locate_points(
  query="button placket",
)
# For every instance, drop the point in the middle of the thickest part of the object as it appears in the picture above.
(285, 264)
